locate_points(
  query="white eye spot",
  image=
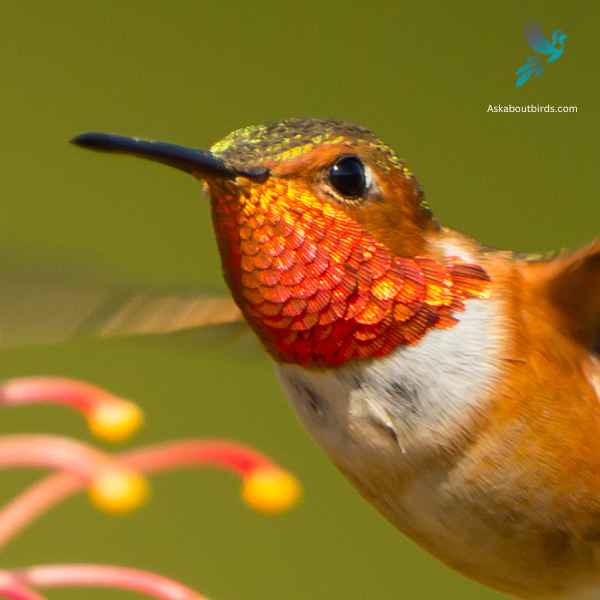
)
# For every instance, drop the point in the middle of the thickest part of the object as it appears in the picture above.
(368, 177)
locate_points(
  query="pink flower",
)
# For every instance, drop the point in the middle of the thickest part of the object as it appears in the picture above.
(115, 483)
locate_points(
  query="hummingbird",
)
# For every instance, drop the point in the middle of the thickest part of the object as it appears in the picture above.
(552, 50)
(455, 385)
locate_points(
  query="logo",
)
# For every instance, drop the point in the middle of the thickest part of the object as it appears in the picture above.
(551, 51)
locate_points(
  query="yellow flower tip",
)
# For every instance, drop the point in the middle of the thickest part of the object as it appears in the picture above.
(118, 491)
(114, 420)
(271, 490)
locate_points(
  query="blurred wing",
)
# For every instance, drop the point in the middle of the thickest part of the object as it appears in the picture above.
(144, 313)
(46, 311)
(536, 39)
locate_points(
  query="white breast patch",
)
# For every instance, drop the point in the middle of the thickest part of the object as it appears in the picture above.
(418, 394)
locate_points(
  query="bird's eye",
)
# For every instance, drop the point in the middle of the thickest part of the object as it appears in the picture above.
(348, 177)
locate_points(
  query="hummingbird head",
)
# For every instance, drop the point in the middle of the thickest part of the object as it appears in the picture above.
(329, 167)
(320, 227)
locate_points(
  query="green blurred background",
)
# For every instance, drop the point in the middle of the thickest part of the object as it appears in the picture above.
(419, 74)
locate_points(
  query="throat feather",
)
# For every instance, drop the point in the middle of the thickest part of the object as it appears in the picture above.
(319, 289)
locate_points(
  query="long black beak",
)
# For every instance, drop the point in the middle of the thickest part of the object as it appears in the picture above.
(190, 160)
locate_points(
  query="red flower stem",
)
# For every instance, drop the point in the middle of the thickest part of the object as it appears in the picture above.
(34, 502)
(108, 416)
(55, 452)
(43, 495)
(12, 589)
(156, 586)
(187, 453)
(57, 390)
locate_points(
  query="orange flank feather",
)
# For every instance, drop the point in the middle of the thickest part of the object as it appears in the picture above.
(531, 469)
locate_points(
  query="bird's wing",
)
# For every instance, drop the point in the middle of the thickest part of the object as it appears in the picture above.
(572, 283)
(536, 39)
(524, 69)
(47, 309)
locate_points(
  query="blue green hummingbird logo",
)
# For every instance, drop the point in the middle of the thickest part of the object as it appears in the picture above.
(551, 50)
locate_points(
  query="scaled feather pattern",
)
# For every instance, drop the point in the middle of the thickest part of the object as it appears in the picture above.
(318, 288)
